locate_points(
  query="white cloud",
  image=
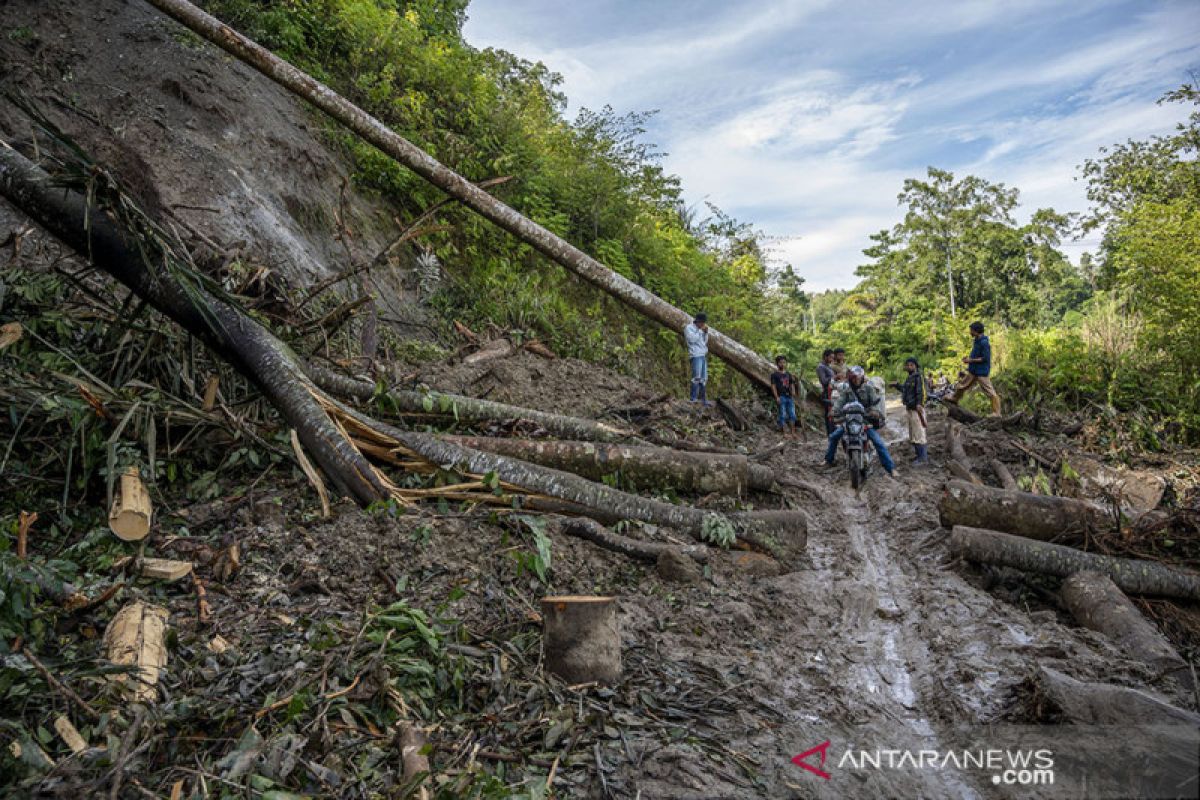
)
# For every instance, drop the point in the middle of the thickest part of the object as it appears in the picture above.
(805, 118)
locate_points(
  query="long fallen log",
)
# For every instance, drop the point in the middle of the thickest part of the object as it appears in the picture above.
(467, 409)
(1033, 516)
(554, 247)
(1097, 603)
(783, 534)
(658, 467)
(472, 409)
(1132, 575)
(594, 532)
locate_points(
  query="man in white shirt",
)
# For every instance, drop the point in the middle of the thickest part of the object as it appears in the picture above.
(695, 335)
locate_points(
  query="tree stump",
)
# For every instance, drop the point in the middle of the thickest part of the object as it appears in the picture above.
(582, 638)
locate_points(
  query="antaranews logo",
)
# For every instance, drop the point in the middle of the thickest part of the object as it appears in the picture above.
(802, 759)
(1011, 767)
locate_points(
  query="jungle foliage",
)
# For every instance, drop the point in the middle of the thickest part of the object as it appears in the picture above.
(1121, 330)
(593, 180)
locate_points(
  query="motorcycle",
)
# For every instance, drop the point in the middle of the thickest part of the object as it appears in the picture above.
(858, 446)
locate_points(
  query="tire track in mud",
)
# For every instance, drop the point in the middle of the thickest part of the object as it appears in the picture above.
(876, 602)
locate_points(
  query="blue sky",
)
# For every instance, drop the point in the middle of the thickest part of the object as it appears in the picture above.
(805, 116)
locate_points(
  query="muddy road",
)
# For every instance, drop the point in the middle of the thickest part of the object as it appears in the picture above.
(880, 644)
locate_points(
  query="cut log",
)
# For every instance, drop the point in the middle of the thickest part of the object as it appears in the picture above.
(492, 351)
(70, 735)
(1033, 516)
(413, 762)
(130, 515)
(1104, 704)
(596, 533)
(537, 348)
(554, 247)
(657, 467)
(1131, 575)
(210, 393)
(164, 569)
(582, 638)
(1007, 481)
(135, 638)
(1096, 603)
(472, 410)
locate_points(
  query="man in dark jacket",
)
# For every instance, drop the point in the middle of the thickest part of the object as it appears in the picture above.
(979, 367)
(913, 396)
(857, 389)
(826, 378)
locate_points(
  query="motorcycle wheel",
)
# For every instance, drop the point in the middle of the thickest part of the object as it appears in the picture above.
(856, 468)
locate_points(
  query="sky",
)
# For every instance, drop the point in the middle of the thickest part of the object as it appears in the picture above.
(804, 117)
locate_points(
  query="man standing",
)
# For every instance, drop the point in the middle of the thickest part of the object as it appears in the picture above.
(783, 387)
(696, 337)
(871, 398)
(913, 395)
(839, 364)
(825, 377)
(979, 367)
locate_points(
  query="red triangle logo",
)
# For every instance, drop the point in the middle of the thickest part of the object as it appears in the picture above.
(800, 760)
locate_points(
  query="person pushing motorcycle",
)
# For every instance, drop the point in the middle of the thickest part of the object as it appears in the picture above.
(871, 398)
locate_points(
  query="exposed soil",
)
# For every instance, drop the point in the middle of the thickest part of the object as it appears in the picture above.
(878, 640)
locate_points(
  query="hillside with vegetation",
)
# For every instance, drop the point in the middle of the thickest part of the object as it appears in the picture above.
(315, 482)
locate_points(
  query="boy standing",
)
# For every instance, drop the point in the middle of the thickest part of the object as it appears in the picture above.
(912, 394)
(826, 378)
(783, 386)
(979, 367)
(695, 335)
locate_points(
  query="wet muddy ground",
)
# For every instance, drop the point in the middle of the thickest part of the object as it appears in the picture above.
(876, 641)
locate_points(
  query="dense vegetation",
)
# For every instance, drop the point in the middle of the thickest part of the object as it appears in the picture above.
(490, 114)
(1119, 330)
(1113, 330)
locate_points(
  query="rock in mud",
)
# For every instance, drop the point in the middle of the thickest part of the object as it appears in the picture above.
(736, 612)
(674, 566)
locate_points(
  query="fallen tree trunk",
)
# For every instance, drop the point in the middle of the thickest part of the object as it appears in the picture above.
(957, 453)
(271, 365)
(738, 356)
(1007, 481)
(1033, 516)
(659, 467)
(1096, 603)
(471, 409)
(1104, 704)
(783, 534)
(596, 533)
(960, 472)
(1132, 575)
(226, 329)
